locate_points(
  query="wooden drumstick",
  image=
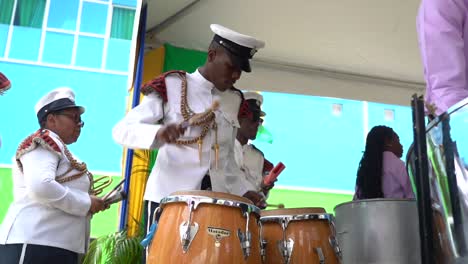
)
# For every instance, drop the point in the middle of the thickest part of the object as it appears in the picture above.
(280, 205)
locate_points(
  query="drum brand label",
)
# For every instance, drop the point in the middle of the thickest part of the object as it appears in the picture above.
(218, 232)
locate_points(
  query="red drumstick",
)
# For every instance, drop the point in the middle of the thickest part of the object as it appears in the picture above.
(274, 173)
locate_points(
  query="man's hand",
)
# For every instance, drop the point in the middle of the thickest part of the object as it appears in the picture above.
(266, 188)
(97, 205)
(256, 198)
(169, 133)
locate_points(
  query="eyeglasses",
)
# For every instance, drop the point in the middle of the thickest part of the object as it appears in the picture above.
(74, 118)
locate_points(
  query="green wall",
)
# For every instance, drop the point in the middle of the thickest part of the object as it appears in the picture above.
(107, 221)
(102, 223)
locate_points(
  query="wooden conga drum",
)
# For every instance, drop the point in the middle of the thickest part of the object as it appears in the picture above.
(206, 227)
(298, 235)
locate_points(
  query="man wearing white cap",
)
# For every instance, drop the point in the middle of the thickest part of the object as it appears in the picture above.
(249, 158)
(190, 151)
(48, 221)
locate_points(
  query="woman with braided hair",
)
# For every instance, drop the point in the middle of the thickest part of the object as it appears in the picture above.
(381, 172)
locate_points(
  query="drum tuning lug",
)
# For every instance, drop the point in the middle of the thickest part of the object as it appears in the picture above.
(187, 233)
(245, 239)
(286, 248)
(320, 255)
(336, 247)
(263, 245)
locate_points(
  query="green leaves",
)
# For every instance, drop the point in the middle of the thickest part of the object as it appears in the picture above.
(115, 248)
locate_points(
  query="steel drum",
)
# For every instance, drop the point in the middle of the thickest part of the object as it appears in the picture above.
(447, 151)
(379, 231)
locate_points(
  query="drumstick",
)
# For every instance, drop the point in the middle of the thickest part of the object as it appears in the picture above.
(280, 205)
(113, 189)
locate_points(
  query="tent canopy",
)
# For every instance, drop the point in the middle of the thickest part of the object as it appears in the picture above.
(363, 49)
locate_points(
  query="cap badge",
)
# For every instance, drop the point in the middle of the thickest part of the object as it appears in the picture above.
(253, 51)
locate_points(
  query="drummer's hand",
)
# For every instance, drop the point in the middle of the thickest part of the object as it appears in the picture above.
(97, 205)
(267, 187)
(256, 198)
(169, 133)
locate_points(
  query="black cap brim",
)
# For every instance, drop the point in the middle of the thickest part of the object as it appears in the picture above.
(241, 63)
(58, 105)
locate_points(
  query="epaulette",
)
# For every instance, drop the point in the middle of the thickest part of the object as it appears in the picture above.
(267, 166)
(39, 138)
(158, 85)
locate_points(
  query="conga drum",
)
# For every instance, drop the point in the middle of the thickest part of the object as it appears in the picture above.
(298, 235)
(206, 227)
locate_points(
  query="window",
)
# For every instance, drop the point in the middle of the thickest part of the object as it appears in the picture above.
(7, 8)
(89, 52)
(337, 109)
(58, 48)
(94, 18)
(122, 23)
(29, 13)
(130, 3)
(63, 14)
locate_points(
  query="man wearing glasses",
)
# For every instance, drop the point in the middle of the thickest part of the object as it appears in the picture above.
(49, 219)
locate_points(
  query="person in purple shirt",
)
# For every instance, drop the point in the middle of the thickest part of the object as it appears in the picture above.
(442, 27)
(381, 172)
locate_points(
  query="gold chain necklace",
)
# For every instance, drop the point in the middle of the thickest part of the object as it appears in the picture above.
(205, 120)
(74, 164)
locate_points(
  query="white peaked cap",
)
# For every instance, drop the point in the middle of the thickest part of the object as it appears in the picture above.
(57, 99)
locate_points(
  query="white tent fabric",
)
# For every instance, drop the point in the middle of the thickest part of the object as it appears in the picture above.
(362, 49)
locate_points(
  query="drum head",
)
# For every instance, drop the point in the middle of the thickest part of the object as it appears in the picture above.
(294, 211)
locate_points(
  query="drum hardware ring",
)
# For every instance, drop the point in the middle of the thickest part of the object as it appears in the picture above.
(196, 199)
(187, 230)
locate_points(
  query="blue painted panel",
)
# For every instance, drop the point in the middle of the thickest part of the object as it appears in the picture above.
(58, 48)
(94, 18)
(25, 42)
(63, 14)
(89, 52)
(118, 54)
(402, 123)
(95, 145)
(320, 150)
(3, 38)
(130, 3)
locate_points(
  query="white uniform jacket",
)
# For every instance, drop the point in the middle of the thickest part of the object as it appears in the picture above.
(45, 212)
(178, 167)
(250, 160)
